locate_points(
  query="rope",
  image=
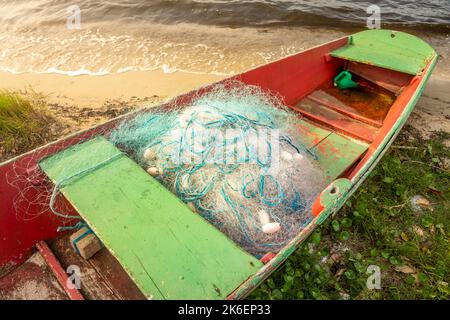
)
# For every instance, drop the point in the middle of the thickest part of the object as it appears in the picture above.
(65, 181)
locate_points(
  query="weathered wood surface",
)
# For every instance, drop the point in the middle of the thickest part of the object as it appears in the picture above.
(169, 251)
(335, 153)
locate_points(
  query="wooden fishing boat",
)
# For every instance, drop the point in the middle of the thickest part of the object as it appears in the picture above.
(349, 128)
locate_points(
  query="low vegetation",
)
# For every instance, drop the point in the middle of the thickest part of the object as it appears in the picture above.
(24, 123)
(397, 220)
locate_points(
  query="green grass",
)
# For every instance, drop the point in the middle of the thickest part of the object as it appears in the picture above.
(24, 123)
(378, 226)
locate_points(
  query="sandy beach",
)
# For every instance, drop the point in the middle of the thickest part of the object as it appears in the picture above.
(87, 91)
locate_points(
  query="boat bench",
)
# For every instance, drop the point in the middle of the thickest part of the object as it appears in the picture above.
(169, 251)
(335, 152)
(391, 50)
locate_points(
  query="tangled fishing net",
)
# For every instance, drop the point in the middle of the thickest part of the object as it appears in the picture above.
(233, 155)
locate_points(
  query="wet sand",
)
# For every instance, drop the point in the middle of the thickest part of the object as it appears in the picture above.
(432, 112)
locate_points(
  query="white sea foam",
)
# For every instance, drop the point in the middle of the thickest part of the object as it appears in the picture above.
(105, 48)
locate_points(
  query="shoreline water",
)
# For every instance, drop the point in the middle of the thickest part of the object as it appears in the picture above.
(101, 49)
(93, 89)
(231, 50)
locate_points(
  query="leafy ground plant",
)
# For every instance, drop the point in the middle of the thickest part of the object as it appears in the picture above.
(398, 220)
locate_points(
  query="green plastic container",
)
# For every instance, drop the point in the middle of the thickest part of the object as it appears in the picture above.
(344, 81)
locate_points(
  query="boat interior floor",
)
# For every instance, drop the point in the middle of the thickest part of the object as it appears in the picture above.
(32, 280)
(357, 112)
(102, 276)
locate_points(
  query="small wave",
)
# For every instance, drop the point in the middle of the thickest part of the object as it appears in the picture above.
(177, 36)
(78, 72)
(11, 70)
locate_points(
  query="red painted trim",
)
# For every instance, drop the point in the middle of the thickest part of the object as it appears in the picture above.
(295, 77)
(57, 270)
(267, 257)
(292, 78)
(317, 207)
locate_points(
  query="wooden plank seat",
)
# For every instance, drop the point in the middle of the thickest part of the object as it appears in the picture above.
(387, 49)
(335, 121)
(335, 153)
(169, 251)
